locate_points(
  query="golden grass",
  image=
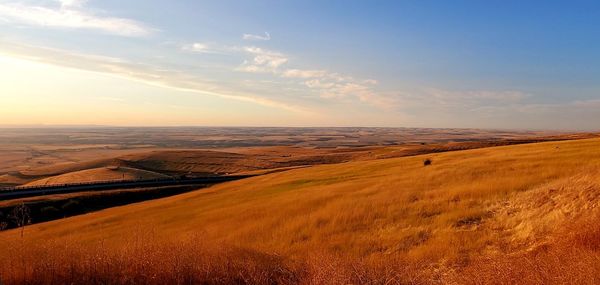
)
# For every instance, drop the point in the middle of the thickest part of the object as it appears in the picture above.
(99, 174)
(573, 257)
(391, 220)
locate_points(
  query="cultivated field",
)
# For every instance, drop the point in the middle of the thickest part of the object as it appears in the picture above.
(523, 214)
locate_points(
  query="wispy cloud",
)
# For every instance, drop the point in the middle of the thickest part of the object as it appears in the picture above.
(198, 47)
(252, 37)
(457, 101)
(263, 60)
(568, 115)
(72, 3)
(469, 98)
(329, 85)
(349, 89)
(318, 84)
(151, 75)
(339, 87)
(208, 48)
(299, 73)
(71, 14)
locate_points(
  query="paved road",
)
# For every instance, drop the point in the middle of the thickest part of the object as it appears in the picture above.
(31, 191)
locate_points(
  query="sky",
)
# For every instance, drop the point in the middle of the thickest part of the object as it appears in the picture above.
(463, 64)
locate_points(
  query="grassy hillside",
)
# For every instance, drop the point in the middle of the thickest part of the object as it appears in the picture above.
(99, 174)
(380, 220)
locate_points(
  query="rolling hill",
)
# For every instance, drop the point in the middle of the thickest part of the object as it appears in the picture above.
(202, 162)
(376, 221)
(110, 173)
(241, 160)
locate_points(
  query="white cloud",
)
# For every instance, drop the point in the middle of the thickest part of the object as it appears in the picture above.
(208, 48)
(252, 37)
(353, 89)
(316, 83)
(72, 3)
(270, 60)
(300, 73)
(263, 61)
(70, 14)
(199, 47)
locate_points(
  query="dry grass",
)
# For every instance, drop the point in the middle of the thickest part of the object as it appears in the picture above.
(572, 258)
(99, 174)
(190, 261)
(476, 214)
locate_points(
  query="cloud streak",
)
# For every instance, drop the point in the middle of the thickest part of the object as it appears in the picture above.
(146, 74)
(251, 37)
(72, 15)
(206, 48)
(299, 73)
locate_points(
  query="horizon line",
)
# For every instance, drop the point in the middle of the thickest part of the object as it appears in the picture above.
(81, 126)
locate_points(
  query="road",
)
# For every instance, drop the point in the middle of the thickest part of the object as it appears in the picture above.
(31, 191)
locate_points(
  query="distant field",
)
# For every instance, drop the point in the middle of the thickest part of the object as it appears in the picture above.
(228, 137)
(47, 156)
(511, 214)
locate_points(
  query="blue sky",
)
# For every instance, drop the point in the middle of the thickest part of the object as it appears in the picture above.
(483, 64)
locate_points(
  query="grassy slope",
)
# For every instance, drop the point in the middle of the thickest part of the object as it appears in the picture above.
(98, 174)
(493, 200)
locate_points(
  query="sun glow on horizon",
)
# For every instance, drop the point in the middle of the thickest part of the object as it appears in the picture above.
(38, 93)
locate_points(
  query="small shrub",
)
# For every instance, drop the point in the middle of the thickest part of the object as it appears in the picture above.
(427, 162)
